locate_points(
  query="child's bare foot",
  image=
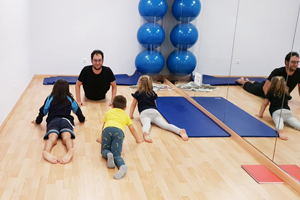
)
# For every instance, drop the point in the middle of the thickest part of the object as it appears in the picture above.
(99, 140)
(66, 159)
(183, 135)
(50, 158)
(282, 135)
(147, 137)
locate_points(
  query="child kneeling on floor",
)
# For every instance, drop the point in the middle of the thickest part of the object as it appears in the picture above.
(112, 136)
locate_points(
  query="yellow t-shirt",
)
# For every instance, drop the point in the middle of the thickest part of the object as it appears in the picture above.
(116, 117)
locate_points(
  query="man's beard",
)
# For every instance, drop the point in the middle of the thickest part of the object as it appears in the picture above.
(97, 68)
(292, 69)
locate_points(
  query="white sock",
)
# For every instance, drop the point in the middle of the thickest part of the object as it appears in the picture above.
(122, 171)
(110, 161)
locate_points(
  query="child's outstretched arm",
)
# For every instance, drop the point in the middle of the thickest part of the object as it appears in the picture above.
(132, 107)
(263, 108)
(134, 134)
(42, 113)
(100, 138)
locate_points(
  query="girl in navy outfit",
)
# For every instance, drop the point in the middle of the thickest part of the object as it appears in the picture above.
(278, 97)
(145, 98)
(60, 123)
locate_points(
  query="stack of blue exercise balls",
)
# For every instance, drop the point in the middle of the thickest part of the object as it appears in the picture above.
(150, 36)
(184, 35)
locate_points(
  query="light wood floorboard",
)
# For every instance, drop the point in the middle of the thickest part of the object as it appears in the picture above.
(202, 168)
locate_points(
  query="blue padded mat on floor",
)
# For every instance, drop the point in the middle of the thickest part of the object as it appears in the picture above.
(121, 79)
(124, 79)
(206, 79)
(235, 118)
(180, 112)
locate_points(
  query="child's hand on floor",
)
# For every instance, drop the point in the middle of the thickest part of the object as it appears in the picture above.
(99, 140)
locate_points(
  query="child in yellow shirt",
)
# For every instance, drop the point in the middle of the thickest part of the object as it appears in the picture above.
(112, 137)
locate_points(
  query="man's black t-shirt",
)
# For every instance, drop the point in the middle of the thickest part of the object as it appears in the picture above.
(95, 86)
(144, 101)
(292, 81)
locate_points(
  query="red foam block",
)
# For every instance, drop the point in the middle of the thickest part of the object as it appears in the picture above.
(292, 170)
(261, 174)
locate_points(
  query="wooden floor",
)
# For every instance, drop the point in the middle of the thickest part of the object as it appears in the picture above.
(169, 168)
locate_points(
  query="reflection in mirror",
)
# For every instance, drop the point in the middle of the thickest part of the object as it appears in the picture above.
(288, 125)
(252, 50)
(262, 40)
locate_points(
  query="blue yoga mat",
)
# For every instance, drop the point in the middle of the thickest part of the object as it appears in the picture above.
(235, 118)
(124, 79)
(51, 80)
(121, 79)
(206, 79)
(180, 112)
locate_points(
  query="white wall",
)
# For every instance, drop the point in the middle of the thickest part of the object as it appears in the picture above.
(14, 53)
(264, 35)
(65, 32)
(55, 37)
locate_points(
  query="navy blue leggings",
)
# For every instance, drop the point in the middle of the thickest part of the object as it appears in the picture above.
(112, 142)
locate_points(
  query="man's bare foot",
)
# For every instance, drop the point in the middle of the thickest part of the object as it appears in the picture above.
(66, 159)
(99, 140)
(282, 135)
(241, 81)
(147, 137)
(183, 135)
(50, 158)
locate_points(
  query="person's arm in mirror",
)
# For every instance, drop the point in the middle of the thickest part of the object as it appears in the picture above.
(266, 86)
(113, 91)
(77, 91)
(263, 108)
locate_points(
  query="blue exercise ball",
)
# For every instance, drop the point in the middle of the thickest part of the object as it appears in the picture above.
(186, 10)
(181, 62)
(184, 36)
(151, 35)
(149, 62)
(153, 10)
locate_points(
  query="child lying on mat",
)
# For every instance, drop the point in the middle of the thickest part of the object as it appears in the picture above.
(145, 98)
(60, 123)
(278, 97)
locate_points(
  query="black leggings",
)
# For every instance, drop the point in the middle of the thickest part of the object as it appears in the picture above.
(255, 88)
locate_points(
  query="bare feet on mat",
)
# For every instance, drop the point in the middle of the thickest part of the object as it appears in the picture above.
(241, 81)
(147, 137)
(282, 135)
(183, 135)
(66, 159)
(50, 158)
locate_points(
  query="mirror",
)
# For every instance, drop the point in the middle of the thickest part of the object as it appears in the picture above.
(286, 151)
(242, 39)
